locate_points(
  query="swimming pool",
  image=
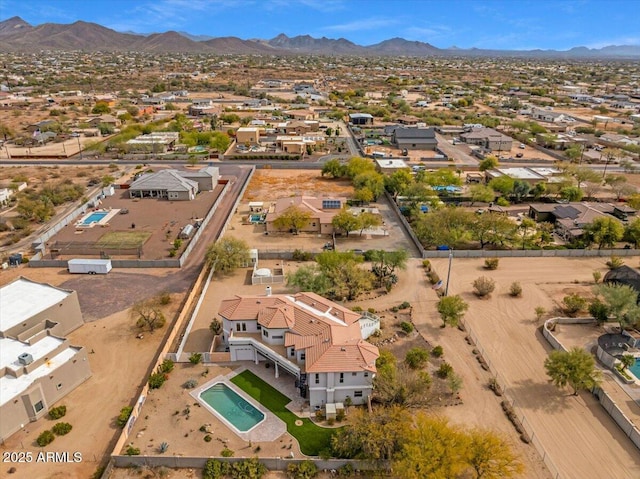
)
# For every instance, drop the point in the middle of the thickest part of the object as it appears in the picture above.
(94, 217)
(635, 368)
(231, 407)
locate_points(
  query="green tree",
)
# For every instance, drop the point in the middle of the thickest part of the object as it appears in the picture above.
(345, 221)
(621, 301)
(527, 230)
(520, 190)
(573, 153)
(503, 184)
(356, 166)
(385, 263)
(344, 274)
(451, 309)
(293, 218)
(489, 163)
(490, 456)
(227, 254)
(583, 174)
(101, 108)
(439, 177)
(492, 228)
(333, 168)
(310, 278)
(368, 220)
(372, 180)
(575, 368)
(482, 193)
(445, 226)
(604, 231)
(6, 132)
(363, 195)
(398, 182)
(571, 193)
(632, 232)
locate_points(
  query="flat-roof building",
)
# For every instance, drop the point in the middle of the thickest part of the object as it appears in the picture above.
(38, 366)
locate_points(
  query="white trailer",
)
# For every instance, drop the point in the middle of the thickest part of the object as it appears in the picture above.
(89, 266)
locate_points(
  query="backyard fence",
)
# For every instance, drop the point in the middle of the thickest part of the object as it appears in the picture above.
(271, 463)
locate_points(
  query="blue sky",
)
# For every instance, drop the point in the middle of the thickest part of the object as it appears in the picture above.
(499, 24)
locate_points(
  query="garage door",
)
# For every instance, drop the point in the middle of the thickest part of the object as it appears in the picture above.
(244, 354)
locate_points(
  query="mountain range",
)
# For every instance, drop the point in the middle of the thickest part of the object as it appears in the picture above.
(18, 35)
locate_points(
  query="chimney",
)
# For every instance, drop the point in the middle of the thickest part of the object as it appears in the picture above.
(268, 290)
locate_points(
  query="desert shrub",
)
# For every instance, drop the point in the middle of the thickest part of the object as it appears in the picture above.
(599, 310)
(190, 384)
(426, 264)
(61, 428)
(484, 286)
(172, 253)
(304, 470)
(502, 201)
(597, 276)
(299, 255)
(346, 470)
(371, 310)
(319, 415)
(45, 438)
(57, 412)
(177, 243)
(437, 351)
(416, 358)
(405, 305)
(156, 380)
(573, 303)
(444, 370)
(357, 309)
(331, 421)
(132, 451)
(207, 438)
(615, 262)
(164, 298)
(491, 263)
(123, 417)
(226, 452)
(340, 415)
(195, 358)
(166, 366)
(215, 469)
(433, 277)
(406, 326)
(515, 289)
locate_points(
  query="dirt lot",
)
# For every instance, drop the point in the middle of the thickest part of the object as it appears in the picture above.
(579, 437)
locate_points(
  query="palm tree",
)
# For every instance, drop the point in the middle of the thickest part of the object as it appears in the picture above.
(627, 360)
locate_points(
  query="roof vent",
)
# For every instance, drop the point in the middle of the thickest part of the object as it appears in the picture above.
(25, 359)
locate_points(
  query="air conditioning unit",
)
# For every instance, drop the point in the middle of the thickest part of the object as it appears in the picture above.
(25, 359)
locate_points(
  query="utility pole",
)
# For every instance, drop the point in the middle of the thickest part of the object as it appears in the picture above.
(446, 288)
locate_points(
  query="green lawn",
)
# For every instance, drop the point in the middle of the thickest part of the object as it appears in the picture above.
(312, 438)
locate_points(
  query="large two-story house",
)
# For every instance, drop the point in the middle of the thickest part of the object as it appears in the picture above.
(321, 344)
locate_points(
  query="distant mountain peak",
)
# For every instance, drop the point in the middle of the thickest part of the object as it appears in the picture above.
(18, 35)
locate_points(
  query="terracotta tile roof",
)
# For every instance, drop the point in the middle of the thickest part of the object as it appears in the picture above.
(329, 333)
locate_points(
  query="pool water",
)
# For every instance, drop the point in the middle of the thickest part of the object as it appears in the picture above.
(94, 217)
(635, 368)
(233, 408)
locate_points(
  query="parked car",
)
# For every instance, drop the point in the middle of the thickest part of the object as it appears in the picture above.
(522, 146)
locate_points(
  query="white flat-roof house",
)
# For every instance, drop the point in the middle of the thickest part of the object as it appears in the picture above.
(320, 343)
(38, 366)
